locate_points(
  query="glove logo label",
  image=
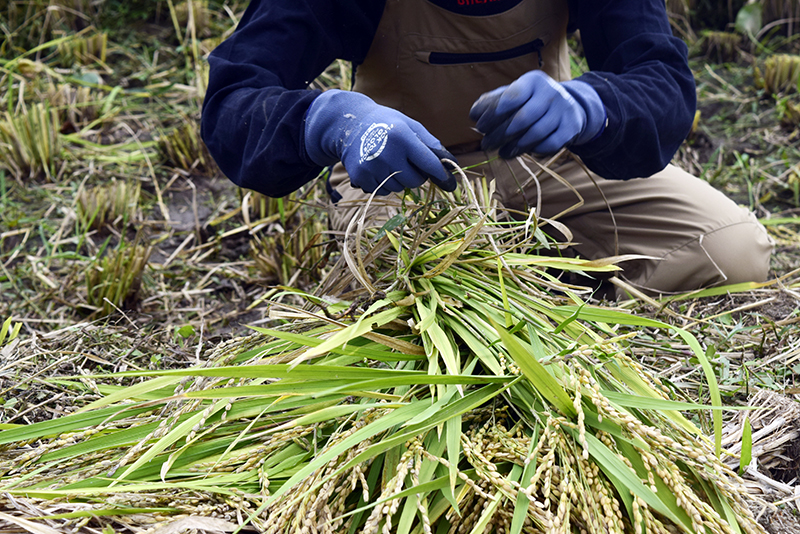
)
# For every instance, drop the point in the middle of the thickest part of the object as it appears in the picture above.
(374, 141)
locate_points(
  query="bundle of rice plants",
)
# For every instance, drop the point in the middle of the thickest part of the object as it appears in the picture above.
(115, 203)
(194, 12)
(30, 142)
(85, 48)
(781, 74)
(77, 105)
(460, 387)
(183, 148)
(720, 47)
(114, 280)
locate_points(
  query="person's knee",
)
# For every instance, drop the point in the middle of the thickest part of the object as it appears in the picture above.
(735, 253)
(742, 252)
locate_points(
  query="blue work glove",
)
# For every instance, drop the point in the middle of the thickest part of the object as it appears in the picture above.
(373, 142)
(538, 114)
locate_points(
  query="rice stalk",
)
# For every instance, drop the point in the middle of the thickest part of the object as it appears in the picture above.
(781, 74)
(28, 24)
(292, 256)
(114, 204)
(201, 72)
(678, 8)
(786, 11)
(85, 48)
(183, 148)
(196, 12)
(719, 46)
(454, 390)
(77, 106)
(30, 142)
(114, 281)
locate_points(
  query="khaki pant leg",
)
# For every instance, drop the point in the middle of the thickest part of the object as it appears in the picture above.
(699, 236)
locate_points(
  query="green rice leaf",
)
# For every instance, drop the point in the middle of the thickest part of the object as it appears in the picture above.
(394, 418)
(174, 435)
(394, 222)
(650, 403)
(746, 455)
(131, 392)
(453, 432)
(278, 370)
(536, 373)
(566, 322)
(521, 506)
(456, 254)
(363, 326)
(721, 505)
(332, 412)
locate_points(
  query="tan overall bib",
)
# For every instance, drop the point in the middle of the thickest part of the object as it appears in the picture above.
(432, 64)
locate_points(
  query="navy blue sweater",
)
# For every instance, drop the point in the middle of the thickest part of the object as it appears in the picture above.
(257, 94)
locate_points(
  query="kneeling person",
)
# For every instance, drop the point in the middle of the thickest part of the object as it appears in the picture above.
(436, 78)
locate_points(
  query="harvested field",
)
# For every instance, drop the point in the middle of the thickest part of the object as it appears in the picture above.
(126, 259)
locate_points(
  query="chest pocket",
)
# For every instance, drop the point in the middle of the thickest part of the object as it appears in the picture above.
(441, 77)
(432, 64)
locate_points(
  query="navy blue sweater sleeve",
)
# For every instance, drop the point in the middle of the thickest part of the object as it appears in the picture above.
(642, 76)
(257, 94)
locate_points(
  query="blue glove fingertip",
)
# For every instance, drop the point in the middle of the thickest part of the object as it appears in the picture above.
(497, 136)
(442, 153)
(442, 176)
(485, 103)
